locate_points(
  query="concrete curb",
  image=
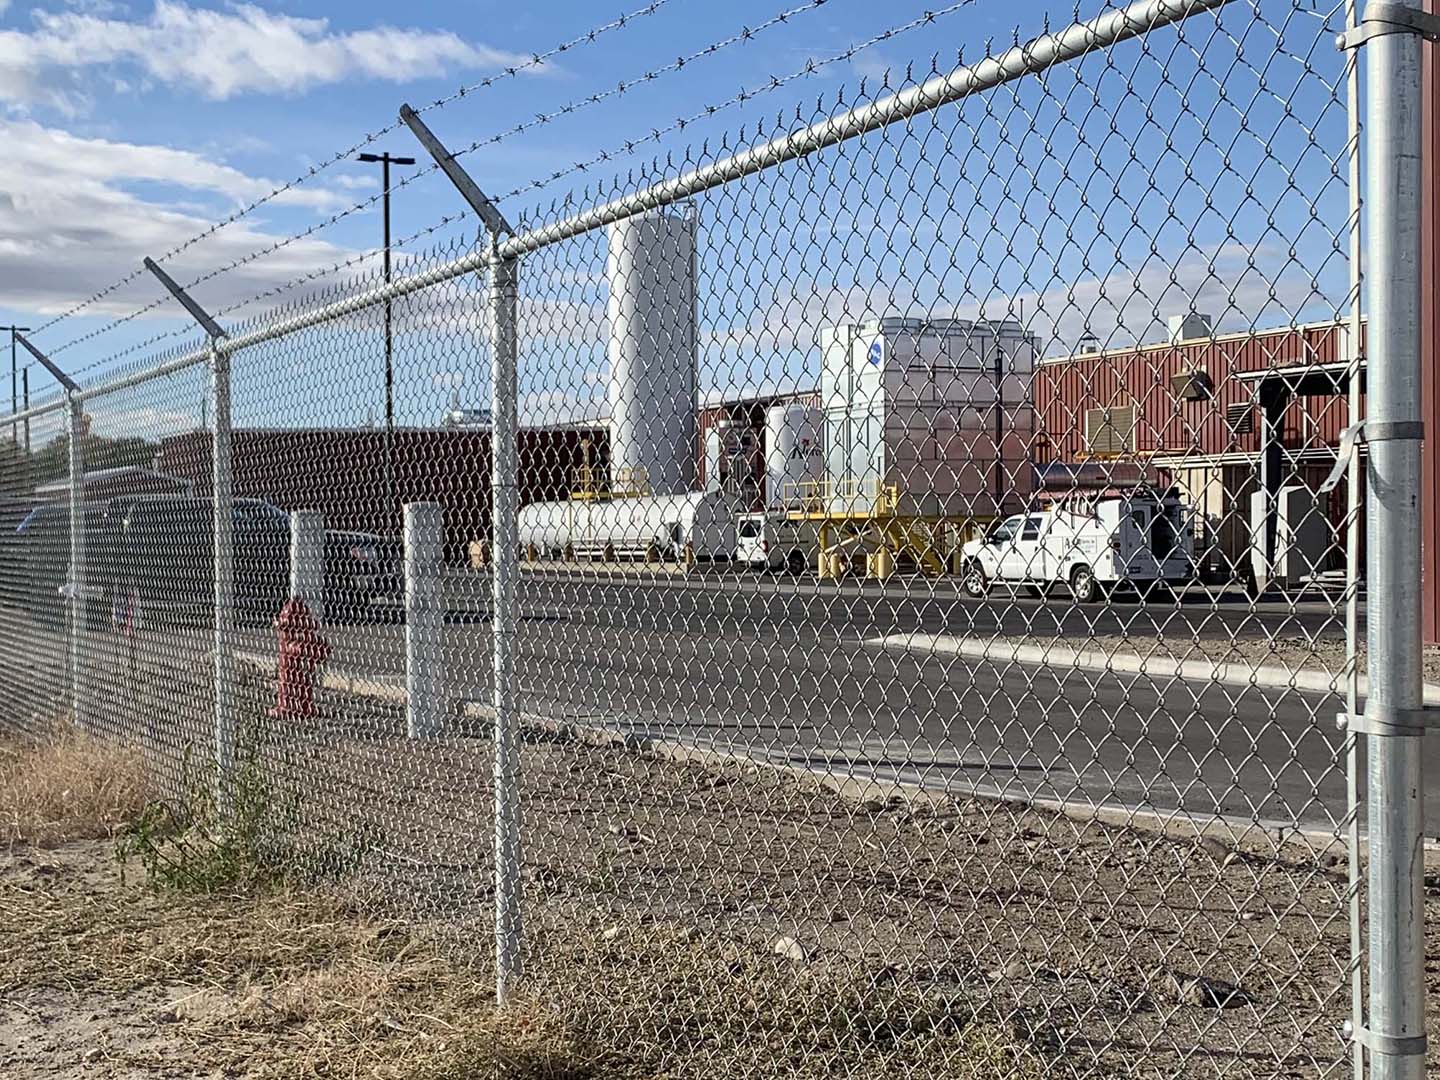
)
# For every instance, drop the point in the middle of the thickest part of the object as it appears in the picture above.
(859, 789)
(1127, 663)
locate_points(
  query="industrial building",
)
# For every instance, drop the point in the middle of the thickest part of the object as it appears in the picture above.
(1222, 416)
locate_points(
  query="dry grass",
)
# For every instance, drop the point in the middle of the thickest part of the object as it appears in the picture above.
(134, 982)
(65, 784)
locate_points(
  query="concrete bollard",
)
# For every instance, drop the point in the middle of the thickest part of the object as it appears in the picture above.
(424, 621)
(307, 561)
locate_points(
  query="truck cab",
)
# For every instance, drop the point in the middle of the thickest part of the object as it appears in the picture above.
(1093, 544)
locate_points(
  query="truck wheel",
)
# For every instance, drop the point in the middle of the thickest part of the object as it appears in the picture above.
(796, 563)
(1083, 586)
(973, 581)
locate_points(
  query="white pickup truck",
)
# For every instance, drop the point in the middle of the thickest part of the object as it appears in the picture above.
(1090, 543)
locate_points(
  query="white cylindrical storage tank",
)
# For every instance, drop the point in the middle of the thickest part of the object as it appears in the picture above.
(650, 271)
(794, 455)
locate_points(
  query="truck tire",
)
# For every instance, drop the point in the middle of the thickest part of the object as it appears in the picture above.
(1083, 586)
(972, 580)
(796, 563)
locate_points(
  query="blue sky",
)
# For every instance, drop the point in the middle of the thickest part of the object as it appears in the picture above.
(136, 124)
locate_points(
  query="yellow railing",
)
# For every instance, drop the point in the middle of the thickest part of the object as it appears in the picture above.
(842, 496)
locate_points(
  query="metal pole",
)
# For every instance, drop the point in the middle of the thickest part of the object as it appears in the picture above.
(1394, 791)
(307, 560)
(1353, 480)
(505, 500)
(25, 378)
(77, 606)
(224, 526)
(389, 362)
(424, 621)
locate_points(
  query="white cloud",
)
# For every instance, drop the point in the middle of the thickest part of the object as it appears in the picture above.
(69, 225)
(221, 53)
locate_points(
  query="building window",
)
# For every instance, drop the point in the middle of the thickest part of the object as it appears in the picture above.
(1110, 431)
(1240, 418)
(1192, 386)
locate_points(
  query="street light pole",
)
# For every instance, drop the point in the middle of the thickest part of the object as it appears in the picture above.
(14, 377)
(386, 160)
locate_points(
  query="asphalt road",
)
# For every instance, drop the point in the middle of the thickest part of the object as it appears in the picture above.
(785, 670)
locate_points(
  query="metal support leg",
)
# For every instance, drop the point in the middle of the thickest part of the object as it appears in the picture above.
(501, 304)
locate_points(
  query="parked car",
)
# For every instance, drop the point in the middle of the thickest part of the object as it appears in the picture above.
(1091, 543)
(160, 550)
(37, 559)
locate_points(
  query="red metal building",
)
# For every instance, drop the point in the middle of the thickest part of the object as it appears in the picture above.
(341, 472)
(1220, 416)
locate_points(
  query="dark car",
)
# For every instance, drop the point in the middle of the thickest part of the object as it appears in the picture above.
(37, 557)
(161, 551)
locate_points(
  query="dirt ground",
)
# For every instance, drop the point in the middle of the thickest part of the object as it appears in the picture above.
(683, 918)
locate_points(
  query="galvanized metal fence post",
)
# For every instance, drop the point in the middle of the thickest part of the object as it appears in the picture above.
(77, 608)
(505, 498)
(424, 620)
(307, 560)
(1395, 1034)
(224, 528)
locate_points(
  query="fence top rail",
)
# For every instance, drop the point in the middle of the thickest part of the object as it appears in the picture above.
(1036, 55)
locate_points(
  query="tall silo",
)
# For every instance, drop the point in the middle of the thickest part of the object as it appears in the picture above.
(650, 271)
(794, 454)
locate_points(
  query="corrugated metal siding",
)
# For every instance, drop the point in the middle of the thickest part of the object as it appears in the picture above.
(1165, 422)
(341, 473)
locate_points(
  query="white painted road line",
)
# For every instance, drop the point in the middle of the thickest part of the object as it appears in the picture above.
(1160, 667)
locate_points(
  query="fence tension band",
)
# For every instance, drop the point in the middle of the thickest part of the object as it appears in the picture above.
(1378, 1042)
(1381, 19)
(1370, 431)
(199, 314)
(1388, 721)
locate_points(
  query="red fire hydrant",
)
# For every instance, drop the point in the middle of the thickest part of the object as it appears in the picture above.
(302, 650)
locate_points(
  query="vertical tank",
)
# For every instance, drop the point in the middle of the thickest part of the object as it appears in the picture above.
(650, 271)
(794, 456)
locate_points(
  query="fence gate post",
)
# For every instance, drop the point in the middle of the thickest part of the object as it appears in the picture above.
(77, 607)
(505, 500)
(424, 621)
(307, 560)
(224, 511)
(1393, 720)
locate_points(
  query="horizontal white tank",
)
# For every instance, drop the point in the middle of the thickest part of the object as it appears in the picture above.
(630, 527)
(794, 453)
(650, 272)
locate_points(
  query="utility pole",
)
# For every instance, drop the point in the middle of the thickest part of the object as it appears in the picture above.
(14, 382)
(386, 160)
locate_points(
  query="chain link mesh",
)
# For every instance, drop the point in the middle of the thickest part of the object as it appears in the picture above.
(930, 619)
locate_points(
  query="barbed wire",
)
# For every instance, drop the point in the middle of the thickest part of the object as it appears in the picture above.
(811, 67)
(743, 35)
(536, 60)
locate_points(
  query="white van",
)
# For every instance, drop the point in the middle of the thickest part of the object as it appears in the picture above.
(1090, 543)
(775, 541)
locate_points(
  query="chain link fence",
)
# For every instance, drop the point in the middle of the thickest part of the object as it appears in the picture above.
(864, 597)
